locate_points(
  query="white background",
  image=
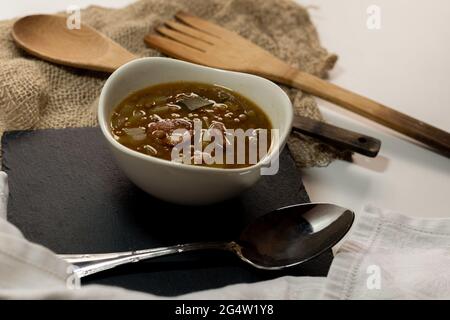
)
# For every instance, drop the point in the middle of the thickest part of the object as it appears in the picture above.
(405, 65)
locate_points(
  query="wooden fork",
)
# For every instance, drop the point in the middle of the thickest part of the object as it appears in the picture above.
(202, 42)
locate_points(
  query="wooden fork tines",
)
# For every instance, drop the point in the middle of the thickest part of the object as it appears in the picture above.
(199, 41)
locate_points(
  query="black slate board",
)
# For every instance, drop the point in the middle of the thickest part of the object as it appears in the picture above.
(67, 194)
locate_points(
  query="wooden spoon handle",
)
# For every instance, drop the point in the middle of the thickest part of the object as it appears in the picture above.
(338, 137)
(416, 129)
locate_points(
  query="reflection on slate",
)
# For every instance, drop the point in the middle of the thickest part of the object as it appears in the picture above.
(68, 194)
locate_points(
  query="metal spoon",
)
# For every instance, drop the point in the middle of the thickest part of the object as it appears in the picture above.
(282, 238)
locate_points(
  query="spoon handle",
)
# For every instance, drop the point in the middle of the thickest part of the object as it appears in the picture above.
(337, 137)
(87, 264)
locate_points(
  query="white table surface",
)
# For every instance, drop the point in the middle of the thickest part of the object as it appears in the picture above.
(405, 65)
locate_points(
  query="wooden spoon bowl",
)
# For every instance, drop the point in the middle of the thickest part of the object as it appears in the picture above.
(49, 38)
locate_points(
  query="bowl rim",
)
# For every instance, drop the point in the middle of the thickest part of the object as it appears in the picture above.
(103, 123)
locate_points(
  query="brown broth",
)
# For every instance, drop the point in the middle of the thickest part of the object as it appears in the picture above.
(146, 119)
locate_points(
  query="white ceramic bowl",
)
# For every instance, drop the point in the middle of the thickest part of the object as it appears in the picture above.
(182, 183)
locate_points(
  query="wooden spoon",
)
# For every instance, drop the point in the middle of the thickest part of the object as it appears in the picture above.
(49, 38)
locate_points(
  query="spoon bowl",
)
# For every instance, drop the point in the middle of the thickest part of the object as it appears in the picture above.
(280, 239)
(293, 235)
(49, 37)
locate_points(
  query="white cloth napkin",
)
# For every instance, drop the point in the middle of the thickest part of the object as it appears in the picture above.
(391, 256)
(386, 256)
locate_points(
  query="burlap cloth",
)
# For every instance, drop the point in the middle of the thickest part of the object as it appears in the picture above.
(38, 94)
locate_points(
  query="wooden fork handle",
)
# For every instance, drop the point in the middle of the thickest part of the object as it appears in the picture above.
(416, 129)
(337, 137)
